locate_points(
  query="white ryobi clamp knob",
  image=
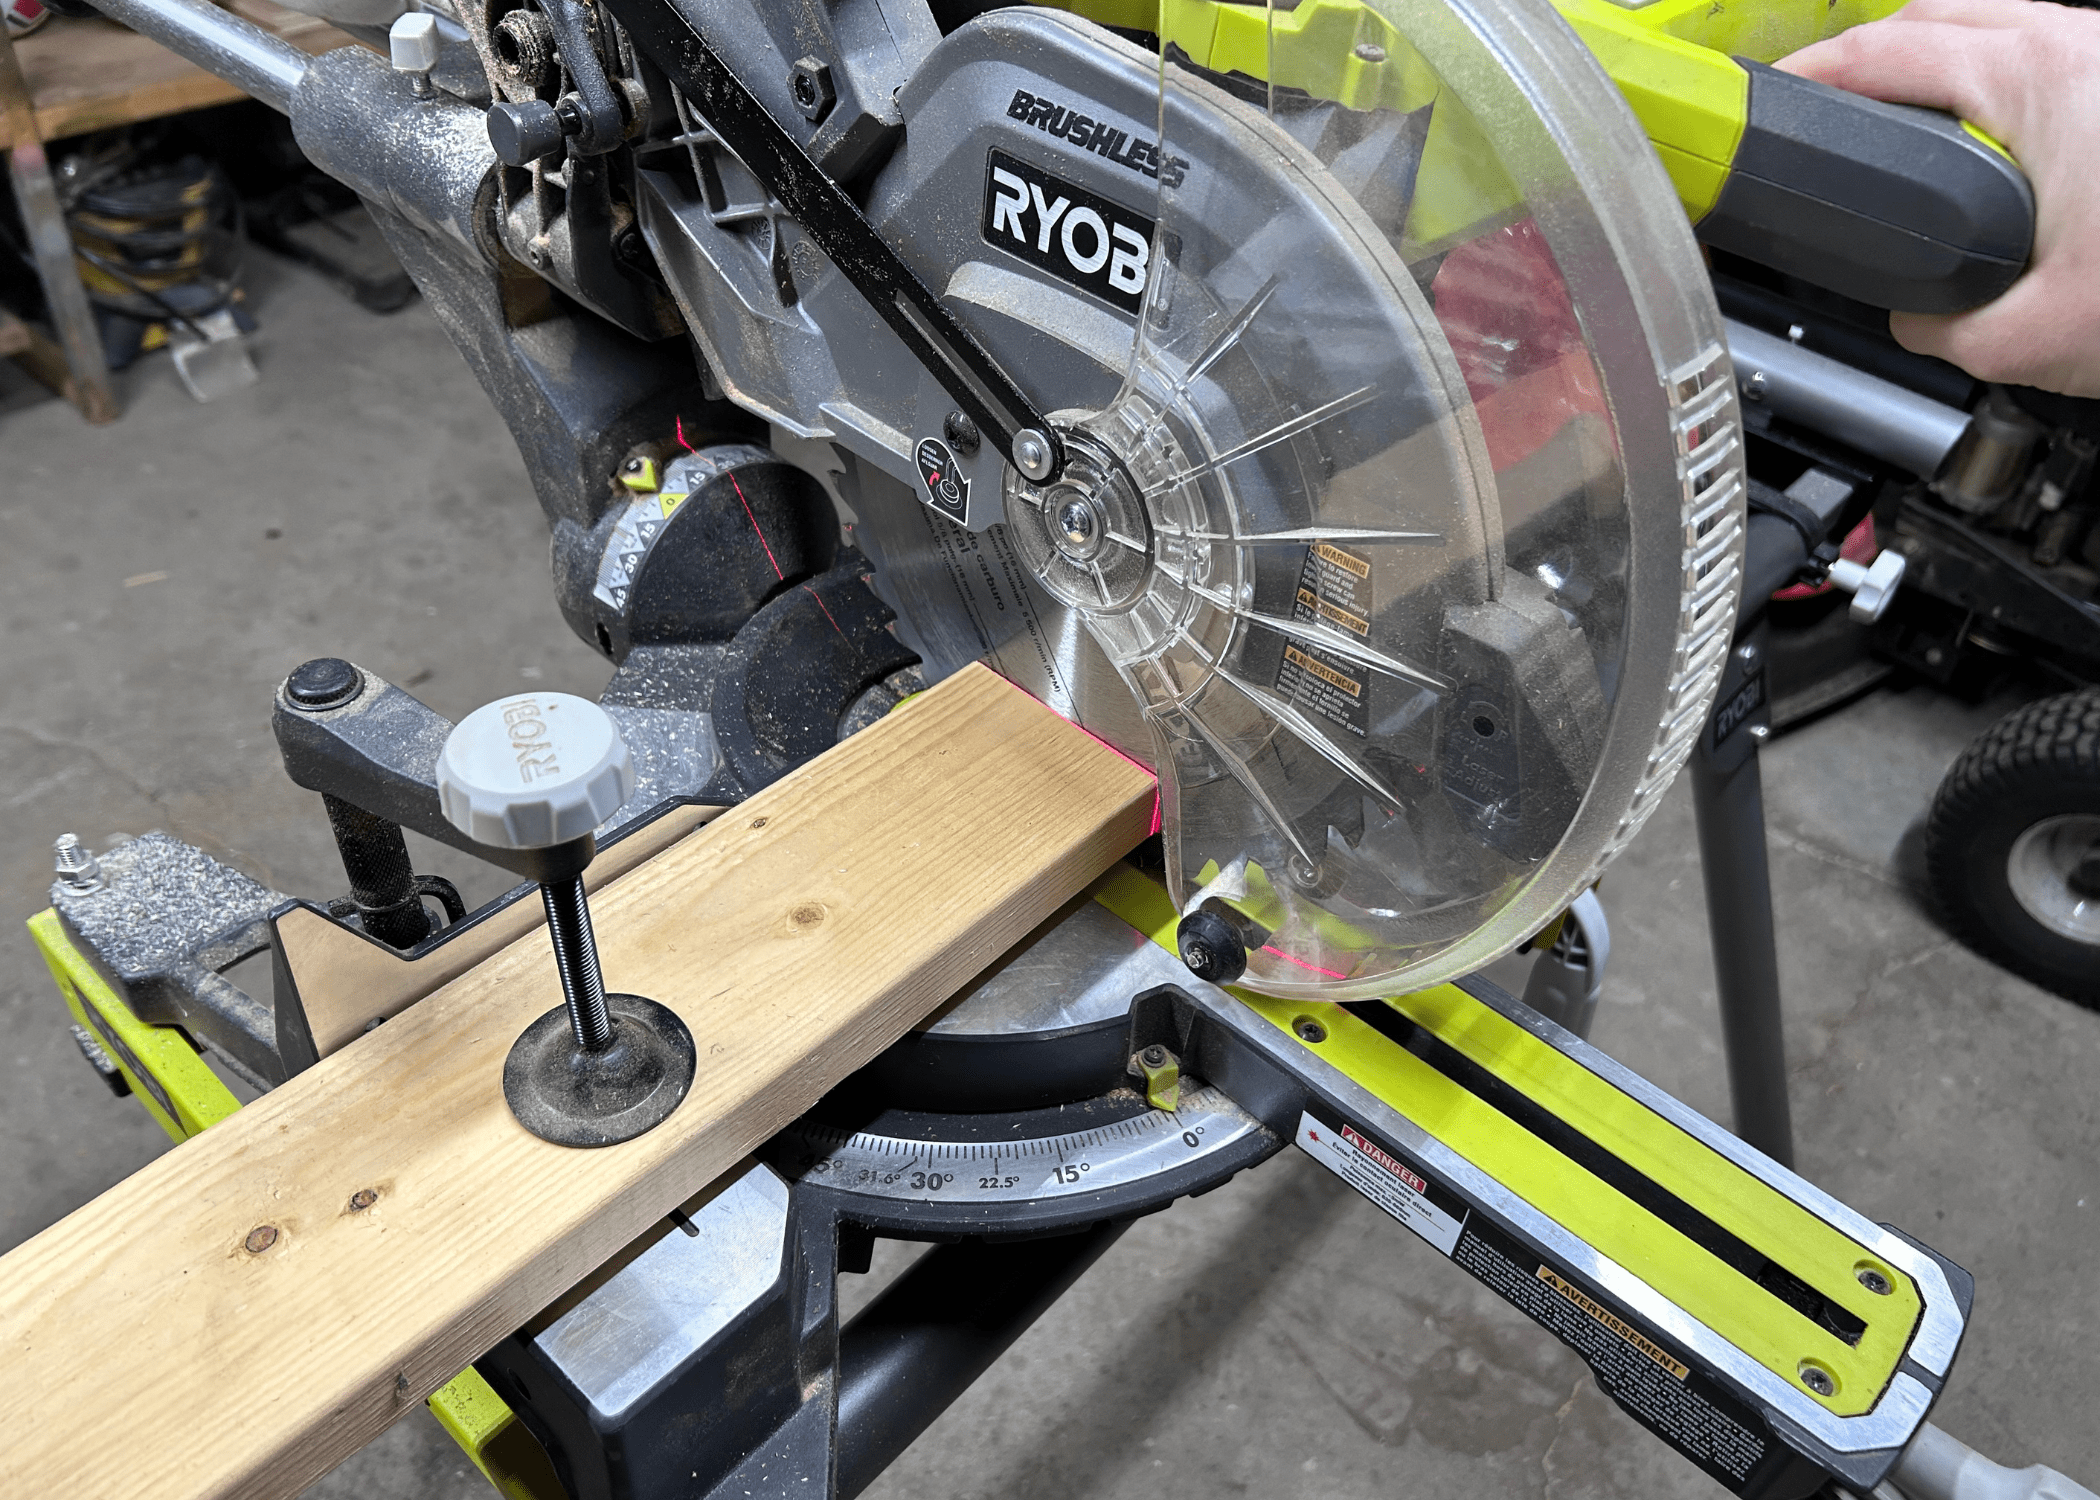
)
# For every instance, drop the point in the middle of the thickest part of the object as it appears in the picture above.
(1871, 586)
(412, 47)
(532, 771)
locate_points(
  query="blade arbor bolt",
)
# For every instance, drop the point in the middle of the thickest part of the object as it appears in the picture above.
(1076, 521)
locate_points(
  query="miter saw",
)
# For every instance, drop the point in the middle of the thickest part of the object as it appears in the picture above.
(1325, 406)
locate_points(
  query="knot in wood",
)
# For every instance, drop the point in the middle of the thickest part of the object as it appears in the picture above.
(260, 1238)
(808, 915)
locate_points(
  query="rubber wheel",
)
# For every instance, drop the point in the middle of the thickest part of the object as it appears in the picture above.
(2012, 846)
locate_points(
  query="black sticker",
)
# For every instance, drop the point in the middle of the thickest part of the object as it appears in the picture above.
(1077, 236)
(946, 484)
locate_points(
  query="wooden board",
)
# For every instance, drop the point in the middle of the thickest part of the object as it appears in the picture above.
(92, 74)
(144, 1350)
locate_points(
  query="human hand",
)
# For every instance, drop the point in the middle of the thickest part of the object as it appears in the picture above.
(2027, 72)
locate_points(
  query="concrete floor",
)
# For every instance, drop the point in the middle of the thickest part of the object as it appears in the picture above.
(1279, 1338)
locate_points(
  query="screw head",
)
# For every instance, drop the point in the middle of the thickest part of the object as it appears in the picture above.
(1874, 1280)
(961, 433)
(1369, 52)
(1309, 1030)
(1075, 521)
(1154, 1056)
(1818, 1379)
(324, 682)
(1032, 453)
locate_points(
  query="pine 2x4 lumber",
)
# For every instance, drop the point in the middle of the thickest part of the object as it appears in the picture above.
(148, 1348)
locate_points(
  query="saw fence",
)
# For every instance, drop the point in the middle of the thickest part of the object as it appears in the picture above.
(269, 1296)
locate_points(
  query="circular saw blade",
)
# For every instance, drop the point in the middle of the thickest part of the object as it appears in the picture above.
(1407, 552)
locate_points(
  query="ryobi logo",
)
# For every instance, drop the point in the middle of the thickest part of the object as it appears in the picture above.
(1086, 240)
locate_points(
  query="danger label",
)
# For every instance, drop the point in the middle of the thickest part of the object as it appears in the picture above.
(1334, 591)
(1375, 1173)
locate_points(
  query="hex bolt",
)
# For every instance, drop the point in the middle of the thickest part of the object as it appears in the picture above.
(78, 868)
(809, 82)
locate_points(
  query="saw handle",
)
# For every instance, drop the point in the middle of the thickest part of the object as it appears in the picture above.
(1898, 207)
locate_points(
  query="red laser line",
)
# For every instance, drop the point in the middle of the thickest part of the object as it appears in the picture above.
(1301, 963)
(823, 606)
(679, 422)
(755, 527)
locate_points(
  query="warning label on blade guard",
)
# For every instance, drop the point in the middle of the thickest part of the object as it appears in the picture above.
(1334, 592)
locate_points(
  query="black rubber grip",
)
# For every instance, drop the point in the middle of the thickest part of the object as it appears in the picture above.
(1892, 205)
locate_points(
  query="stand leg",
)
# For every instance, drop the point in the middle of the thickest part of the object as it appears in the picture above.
(1731, 812)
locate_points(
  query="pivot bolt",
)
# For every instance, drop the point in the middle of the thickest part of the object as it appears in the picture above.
(1032, 453)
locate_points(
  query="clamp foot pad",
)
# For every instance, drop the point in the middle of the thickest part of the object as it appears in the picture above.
(563, 1094)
